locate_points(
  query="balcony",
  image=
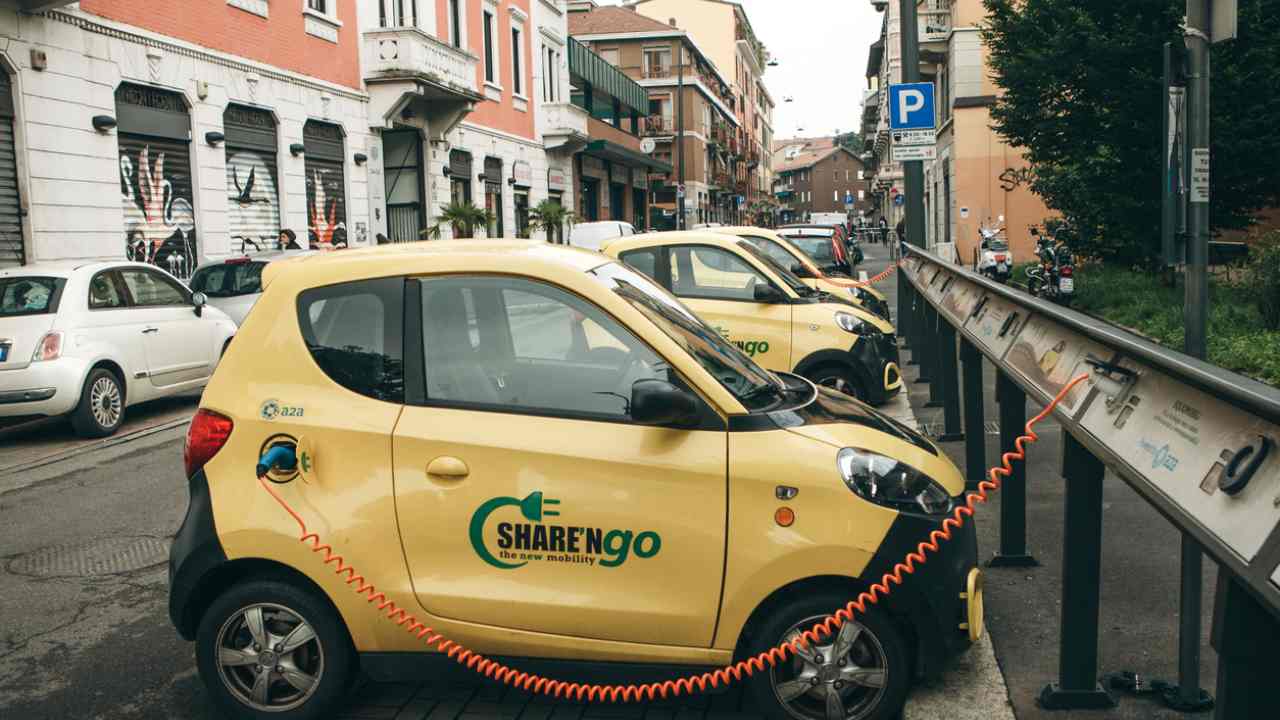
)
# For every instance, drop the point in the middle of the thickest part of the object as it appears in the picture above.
(657, 126)
(564, 126)
(413, 74)
(934, 22)
(753, 157)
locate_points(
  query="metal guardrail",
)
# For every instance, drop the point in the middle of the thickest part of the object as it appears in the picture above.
(1196, 441)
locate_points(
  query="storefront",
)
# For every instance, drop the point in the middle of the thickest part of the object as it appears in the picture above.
(155, 178)
(325, 150)
(253, 187)
(493, 196)
(459, 177)
(521, 182)
(402, 174)
(12, 251)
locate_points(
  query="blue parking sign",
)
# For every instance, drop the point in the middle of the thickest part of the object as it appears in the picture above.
(911, 107)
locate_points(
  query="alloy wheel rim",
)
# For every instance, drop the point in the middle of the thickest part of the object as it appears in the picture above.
(843, 679)
(104, 401)
(269, 657)
(840, 385)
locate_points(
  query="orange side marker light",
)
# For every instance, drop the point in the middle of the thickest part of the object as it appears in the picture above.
(784, 516)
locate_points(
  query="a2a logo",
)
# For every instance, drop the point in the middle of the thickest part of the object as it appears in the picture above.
(516, 544)
(750, 347)
(1161, 457)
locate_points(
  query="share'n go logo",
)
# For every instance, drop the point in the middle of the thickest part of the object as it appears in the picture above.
(520, 536)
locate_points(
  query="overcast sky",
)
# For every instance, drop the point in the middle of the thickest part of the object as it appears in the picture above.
(821, 48)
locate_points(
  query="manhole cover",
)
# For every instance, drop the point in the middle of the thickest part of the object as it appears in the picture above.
(101, 557)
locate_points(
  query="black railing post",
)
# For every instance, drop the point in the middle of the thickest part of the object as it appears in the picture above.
(936, 377)
(1245, 635)
(975, 428)
(922, 356)
(1077, 686)
(905, 289)
(1013, 493)
(948, 376)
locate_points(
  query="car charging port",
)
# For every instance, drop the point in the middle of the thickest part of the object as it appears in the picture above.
(278, 459)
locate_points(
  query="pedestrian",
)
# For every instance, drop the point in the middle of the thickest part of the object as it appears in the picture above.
(288, 240)
(381, 239)
(884, 229)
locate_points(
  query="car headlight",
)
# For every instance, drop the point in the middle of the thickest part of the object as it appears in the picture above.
(850, 323)
(887, 482)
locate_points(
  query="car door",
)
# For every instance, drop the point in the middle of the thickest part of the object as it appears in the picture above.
(719, 286)
(526, 497)
(179, 345)
(113, 329)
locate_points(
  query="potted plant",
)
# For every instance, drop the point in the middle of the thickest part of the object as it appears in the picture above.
(464, 217)
(551, 216)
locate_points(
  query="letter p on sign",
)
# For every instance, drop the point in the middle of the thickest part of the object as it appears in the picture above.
(911, 107)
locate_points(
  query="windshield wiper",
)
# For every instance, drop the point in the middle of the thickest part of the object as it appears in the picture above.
(779, 394)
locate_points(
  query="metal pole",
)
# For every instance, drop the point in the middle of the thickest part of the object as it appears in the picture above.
(913, 172)
(975, 432)
(680, 218)
(947, 375)
(1077, 686)
(1013, 495)
(1245, 635)
(1196, 315)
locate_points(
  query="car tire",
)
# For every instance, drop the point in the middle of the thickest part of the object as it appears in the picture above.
(101, 408)
(840, 379)
(247, 666)
(870, 679)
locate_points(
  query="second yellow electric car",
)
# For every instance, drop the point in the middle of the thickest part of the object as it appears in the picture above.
(542, 455)
(764, 309)
(786, 252)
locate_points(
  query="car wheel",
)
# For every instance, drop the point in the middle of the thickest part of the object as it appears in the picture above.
(841, 380)
(862, 672)
(101, 407)
(268, 649)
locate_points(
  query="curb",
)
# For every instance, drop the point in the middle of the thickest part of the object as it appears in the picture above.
(92, 447)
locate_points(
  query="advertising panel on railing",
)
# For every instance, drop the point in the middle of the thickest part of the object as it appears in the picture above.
(1218, 463)
(1049, 357)
(960, 300)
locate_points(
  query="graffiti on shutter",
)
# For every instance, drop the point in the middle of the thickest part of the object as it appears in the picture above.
(155, 179)
(253, 191)
(11, 249)
(326, 186)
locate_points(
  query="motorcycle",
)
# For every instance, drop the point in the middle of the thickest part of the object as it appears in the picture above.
(995, 259)
(1054, 278)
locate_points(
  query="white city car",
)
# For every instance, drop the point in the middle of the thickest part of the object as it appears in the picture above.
(235, 284)
(91, 340)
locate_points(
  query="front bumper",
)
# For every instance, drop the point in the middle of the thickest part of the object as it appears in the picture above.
(877, 355)
(41, 389)
(942, 599)
(873, 305)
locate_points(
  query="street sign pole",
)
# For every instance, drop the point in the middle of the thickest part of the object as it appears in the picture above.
(913, 171)
(680, 217)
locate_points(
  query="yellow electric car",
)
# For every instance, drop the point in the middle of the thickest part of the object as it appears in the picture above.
(786, 252)
(543, 455)
(768, 312)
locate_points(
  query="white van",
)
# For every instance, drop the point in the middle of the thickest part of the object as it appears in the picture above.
(832, 218)
(591, 235)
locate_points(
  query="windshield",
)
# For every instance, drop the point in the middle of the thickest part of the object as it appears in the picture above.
(796, 284)
(751, 384)
(817, 247)
(997, 245)
(29, 295)
(229, 279)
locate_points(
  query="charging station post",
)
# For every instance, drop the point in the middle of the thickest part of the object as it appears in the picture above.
(975, 428)
(1013, 503)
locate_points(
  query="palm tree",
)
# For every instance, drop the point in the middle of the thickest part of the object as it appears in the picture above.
(551, 216)
(464, 217)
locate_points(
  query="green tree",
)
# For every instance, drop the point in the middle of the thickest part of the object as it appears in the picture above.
(551, 216)
(464, 217)
(1082, 93)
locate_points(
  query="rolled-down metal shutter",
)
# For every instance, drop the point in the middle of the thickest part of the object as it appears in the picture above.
(253, 189)
(326, 185)
(11, 248)
(155, 178)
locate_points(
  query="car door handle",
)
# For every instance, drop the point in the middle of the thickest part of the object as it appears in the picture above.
(150, 330)
(450, 468)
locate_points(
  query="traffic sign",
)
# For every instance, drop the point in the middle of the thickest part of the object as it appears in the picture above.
(911, 107)
(648, 145)
(912, 153)
(915, 137)
(899, 200)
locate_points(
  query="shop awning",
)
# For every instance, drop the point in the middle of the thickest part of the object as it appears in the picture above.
(614, 152)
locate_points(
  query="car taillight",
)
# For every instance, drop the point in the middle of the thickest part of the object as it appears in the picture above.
(1067, 271)
(238, 261)
(49, 347)
(1000, 258)
(209, 431)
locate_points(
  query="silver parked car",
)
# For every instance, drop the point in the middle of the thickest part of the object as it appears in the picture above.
(90, 340)
(235, 284)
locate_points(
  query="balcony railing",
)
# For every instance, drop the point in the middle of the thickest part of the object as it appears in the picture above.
(934, 20)
(409, 51)
(753, 157)
(564, 118)
(657, 126)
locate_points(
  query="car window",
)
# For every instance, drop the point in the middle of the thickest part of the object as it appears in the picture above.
(509, 344)
(711, 273)
(104, 293)
(644, 261)
(231, 279)
(819, 249)
(151, 289)
(29, 295)
(775, 251)
(355, 334)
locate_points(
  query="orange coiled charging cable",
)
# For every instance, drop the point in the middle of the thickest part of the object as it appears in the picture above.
(893, 267)
(693, 683)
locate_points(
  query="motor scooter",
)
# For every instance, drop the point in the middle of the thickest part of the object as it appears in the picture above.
(995, 259)
(1055, 277)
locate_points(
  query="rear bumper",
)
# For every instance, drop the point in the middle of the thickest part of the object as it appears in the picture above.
(195, 552)
(41, 389)
(935, 599)
(877, 355)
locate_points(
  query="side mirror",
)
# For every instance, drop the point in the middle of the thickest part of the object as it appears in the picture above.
(198, 301)
(768, 294)
(657, 402)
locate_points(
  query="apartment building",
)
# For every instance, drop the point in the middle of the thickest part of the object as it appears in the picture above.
(977, 178)
(723, 30)
(648, 52)
(171, 132)
(822, 178)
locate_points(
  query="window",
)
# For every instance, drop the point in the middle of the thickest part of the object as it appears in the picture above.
(517, 75)
(643, 261)
(104, 293)
(320, 6)
(514, 345)
(230, 279)
(150, 289)
(355, 334)
(773, 251)
(610, 56)
(657, 62)
(32, 295)
(489, 60)
(455, 22)
(404, 13)
(699, 271)
(521, 203)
